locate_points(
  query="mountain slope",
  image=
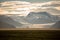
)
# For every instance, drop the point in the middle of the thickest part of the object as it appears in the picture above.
(7, 21)
(40, 18)
(56, 25)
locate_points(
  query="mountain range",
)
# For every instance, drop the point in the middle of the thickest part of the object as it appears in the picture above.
(32, 18)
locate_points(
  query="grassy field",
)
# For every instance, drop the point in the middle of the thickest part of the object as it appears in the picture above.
(29, 34)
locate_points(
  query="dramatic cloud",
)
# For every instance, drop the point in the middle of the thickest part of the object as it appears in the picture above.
(24, 8)
(15, 7)
(52, 4)
(58, 8)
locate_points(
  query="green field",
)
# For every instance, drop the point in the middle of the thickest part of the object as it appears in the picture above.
(29, 34)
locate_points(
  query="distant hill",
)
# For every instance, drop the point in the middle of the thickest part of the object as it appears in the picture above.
(6, 25)
(7, 22)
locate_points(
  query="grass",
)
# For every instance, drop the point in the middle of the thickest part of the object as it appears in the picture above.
(29, 34)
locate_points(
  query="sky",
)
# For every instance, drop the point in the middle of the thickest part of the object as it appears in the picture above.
(31, 0)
